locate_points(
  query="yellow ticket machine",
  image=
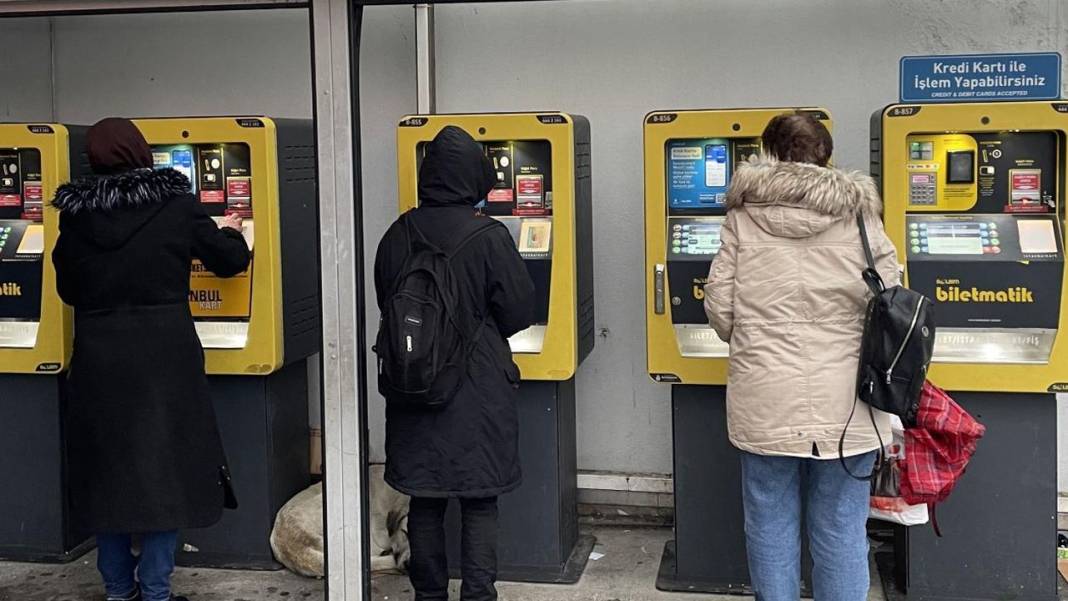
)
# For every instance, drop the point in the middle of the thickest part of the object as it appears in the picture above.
(259, 328)
(544, 196)
(35, 336)
(690, 157)
(974, 202)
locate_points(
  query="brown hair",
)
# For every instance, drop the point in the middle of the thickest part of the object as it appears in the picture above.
(799, 138)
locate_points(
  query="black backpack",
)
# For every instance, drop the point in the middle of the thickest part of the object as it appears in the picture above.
(895, 349)
(426, 334)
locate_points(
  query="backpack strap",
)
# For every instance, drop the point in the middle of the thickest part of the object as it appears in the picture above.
(841, 444)
(482, 227)
(869, 274)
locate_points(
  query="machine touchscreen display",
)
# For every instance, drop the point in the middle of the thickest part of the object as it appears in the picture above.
(694, 238)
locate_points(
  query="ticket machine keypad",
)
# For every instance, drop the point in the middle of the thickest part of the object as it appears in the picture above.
(923, 188)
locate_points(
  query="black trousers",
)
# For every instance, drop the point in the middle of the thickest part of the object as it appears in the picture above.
(429, 567)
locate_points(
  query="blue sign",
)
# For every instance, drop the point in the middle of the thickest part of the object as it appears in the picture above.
(981, 77)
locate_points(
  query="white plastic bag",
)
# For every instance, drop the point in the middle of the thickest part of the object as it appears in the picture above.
(885, 504)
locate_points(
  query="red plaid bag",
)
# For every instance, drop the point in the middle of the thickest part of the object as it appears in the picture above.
(937, 449)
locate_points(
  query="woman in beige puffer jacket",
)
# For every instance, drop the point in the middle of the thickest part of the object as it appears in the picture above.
(785, 290)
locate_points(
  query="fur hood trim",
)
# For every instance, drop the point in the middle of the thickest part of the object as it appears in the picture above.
(766, 181)
(125, 190)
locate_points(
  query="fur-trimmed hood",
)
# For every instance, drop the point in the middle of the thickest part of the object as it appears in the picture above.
(109, 210)
(797, 200)
(135, 188)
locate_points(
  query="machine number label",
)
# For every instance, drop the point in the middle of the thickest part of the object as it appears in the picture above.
(662, 118)
(670, 378)
(1060, 107)
(552, 119)
(250, 123)
(40, 129)
(903, 111)
(818, 115)
(413, 122)
(47, 367)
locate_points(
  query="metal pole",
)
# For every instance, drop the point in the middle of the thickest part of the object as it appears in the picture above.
(335, 35)
(426, 100)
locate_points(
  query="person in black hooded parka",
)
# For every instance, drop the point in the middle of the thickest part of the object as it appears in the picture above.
(145, 455)
(469, 448)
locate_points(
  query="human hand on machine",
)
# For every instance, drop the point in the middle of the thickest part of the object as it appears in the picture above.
(232, 221)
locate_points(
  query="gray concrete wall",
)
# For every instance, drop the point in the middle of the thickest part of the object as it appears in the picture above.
(615, 61)
(25, 70)
(183, 64)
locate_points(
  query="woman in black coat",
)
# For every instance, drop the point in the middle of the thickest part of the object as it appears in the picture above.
(469, 448)
(145, 453)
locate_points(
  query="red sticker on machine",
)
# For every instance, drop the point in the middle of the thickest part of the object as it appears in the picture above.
(499, 195)
(33, 191)
(10, 200)
(1025, 191)
(240, 187)
(529, 186)
(212, 196)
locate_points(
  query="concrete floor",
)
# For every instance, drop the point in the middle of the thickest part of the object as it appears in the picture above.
(627, 572)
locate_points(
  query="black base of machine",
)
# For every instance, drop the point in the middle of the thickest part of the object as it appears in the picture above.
(539, 537)
(35, 519)
(999, 526)
(708, 554)
(264, 425)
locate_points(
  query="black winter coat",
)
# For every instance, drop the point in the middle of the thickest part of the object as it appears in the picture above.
(144, 448)
(469, 448)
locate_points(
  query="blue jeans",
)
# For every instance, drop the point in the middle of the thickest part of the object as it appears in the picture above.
(122, 570)
(774, 490)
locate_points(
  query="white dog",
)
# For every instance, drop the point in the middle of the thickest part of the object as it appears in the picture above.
(297, 538)
(389, 524)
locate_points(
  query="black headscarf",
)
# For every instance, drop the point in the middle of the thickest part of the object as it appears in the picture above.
(115, 145)
(455, 170)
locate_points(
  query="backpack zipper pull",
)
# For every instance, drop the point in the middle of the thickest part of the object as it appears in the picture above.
(409, 340)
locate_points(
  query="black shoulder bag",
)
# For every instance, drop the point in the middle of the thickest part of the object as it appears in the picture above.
(895, 349)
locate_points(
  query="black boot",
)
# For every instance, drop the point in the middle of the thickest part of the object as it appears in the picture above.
(136, 596)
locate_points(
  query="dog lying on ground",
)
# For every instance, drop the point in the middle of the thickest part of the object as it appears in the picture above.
(297, 538)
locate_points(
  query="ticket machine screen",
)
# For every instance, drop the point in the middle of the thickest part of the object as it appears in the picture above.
(984, 241)
(522, 199)
(699, 172)
(221, 176)
(21, 246)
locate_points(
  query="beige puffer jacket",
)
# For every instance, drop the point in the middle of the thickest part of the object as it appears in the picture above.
(785, 291)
